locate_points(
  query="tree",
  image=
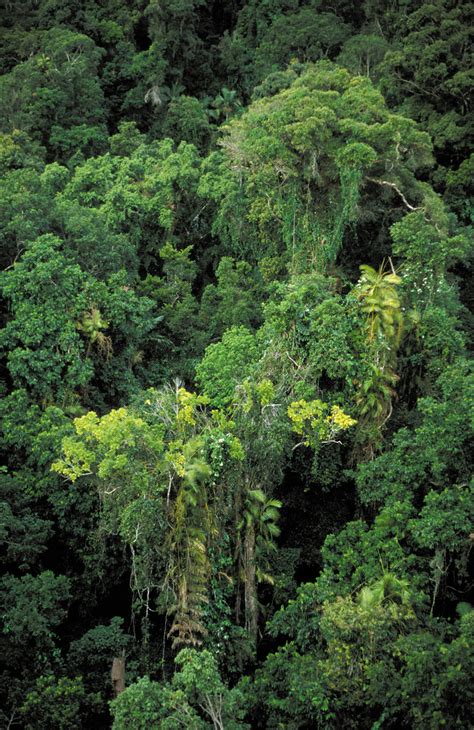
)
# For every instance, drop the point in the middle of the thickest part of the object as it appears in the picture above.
(306, 35)
(380, 303)
(153, 479)
(186, 119)
(304, 162)
(57, 703)
(196, 696)
(225, 364)
(64, 110)
(362, 54)
(428, 76)
(33, 607)
(53, 301)
(234, 300)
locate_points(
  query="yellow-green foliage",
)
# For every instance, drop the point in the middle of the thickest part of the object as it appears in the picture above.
(316, 422)
(265, 391)
(187, 405)
(105, 444)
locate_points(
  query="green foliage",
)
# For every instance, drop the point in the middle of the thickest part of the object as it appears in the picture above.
(224, 105)
(429, 74)
(186, 119)
(309, 417)
(58, 703)
(363, 53)
(381, 304)
(41, 288)
(196, 695)
(175, 298)
(226, 363)
(55, 96)
(153, 482)
(32, 608)
(435, 675)
(234, 329)
(139, 706)
(435, 449)
(92, 654)
(302, 157)
(23, 532)
(445, 519)
(52, 301)
(233, 301)
(306, 35)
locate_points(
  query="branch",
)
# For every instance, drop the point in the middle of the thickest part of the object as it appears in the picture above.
(418, 87)
(215, 713)
(390, 411)
(293, 361)
(198, 214)
(392, 185)
(12, 719)
(168, 493)
(301, 443)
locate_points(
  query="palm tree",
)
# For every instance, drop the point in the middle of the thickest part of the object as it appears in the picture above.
(378, 295)
(187, 542)
(259, 528)
(91, 325)
(380, 301)
(225, 104)
(388, 589)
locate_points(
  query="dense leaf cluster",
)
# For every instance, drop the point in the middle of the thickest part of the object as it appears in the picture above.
(236, 413)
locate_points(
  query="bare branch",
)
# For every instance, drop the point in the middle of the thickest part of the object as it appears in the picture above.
(392, 185)
(293, 361)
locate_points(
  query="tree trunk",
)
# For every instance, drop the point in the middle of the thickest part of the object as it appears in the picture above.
(118, 674)
(251, 602)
